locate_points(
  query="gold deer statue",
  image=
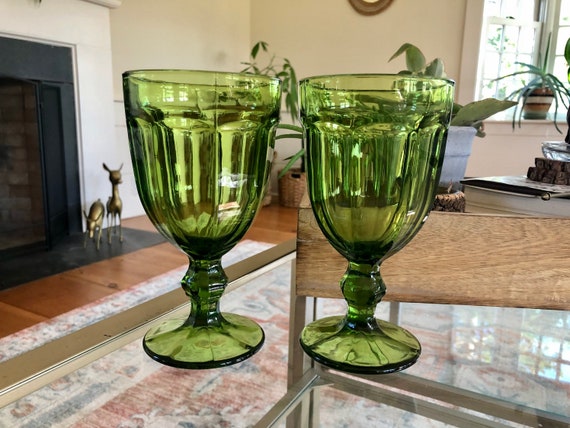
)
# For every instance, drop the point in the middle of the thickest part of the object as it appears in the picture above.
(114, 203)
(94, 222)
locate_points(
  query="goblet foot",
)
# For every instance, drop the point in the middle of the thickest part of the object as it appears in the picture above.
(176, 344)
(385, 349)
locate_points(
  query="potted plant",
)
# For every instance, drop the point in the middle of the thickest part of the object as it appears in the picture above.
(292, 180)
(535, 97)
(466, 121)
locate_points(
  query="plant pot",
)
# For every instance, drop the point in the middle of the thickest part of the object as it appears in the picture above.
(537, 104)
(457, 152)
(292, 187)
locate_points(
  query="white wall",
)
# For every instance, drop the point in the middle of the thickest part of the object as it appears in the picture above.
(186, 34)
(508, 151)
(323, 36)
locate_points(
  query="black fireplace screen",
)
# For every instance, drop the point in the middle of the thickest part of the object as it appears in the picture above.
(39, 171)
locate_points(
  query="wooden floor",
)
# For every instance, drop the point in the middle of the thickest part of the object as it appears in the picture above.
(39, 300)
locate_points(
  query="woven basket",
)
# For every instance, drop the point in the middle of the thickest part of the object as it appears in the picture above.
(292, 187)
(450, 202)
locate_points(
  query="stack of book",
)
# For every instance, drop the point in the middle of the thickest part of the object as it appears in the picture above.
(516, 195)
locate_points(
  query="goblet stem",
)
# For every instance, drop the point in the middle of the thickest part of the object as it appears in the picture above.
(204, 284)
(207, 338)
(362, 288)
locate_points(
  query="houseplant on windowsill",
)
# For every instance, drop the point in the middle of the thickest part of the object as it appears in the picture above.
(292, 180)
(466, 121)
(534, 98)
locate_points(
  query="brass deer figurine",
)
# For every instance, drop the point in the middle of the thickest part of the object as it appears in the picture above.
(94, 222)
(114, 203)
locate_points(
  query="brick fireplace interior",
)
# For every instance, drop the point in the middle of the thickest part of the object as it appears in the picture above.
(21, 210)
(39, 171)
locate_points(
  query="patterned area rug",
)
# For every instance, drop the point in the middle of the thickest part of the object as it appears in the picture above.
(497, 352)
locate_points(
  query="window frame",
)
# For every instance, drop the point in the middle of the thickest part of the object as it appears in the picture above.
(505, 23)
(474, 40)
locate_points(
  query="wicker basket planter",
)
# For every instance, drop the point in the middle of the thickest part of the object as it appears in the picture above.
(292, 187)
(450, 202)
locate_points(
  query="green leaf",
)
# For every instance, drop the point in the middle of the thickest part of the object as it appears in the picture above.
(478, 111)
(280, 68)
(255, 50)
(547, 54)
(291, 162)
(415, 59)
(259, 45)
(532, 68)
(400, 51)
(282, 136)
(290, 127)
(435, 68)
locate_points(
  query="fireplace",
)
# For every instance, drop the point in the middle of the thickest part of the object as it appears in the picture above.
(39, 170)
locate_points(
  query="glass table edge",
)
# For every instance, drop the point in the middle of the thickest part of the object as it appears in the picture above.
(25, 373)
(398, 392)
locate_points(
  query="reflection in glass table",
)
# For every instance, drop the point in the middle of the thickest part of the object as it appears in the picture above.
(483, 366)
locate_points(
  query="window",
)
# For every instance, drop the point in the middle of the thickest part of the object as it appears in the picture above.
(518, 31)
(509, 40)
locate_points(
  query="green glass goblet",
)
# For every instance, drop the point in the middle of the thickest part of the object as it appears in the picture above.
(201, 147)
(375, 147)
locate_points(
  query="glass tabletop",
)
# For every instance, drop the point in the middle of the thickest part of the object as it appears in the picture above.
(479, 367)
